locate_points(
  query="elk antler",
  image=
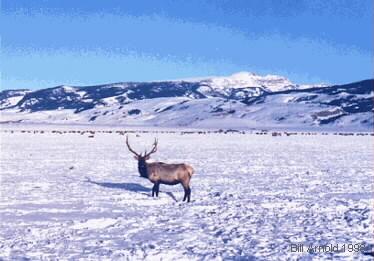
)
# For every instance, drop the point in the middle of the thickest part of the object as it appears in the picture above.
(128, 146)
(154, 149)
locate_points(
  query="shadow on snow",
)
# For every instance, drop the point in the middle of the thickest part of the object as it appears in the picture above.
(134, 187)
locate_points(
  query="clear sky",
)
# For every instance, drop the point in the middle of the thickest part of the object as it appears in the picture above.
(49, 43)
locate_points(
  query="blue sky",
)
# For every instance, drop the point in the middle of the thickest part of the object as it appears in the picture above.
(48, 43)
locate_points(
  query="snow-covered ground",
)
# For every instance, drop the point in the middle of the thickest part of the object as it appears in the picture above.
(70, 197)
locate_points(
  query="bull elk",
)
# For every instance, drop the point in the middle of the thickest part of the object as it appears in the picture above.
(163, 173)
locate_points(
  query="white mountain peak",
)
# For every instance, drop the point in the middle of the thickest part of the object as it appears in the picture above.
(243, 74)
(250, 79)
(245, 79)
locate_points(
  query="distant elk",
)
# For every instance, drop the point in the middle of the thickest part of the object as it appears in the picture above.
(163, 173)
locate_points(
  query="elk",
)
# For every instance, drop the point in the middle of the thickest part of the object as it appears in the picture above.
(163, 173)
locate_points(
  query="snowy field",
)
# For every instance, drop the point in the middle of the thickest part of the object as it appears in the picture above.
(71, 197)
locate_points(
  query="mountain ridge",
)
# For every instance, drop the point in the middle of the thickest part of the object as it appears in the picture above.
(197, 104)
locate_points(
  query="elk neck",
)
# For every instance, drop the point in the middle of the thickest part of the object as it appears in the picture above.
(142, 168)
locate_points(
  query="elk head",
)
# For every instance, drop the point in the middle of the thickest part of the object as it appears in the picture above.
(142, 165)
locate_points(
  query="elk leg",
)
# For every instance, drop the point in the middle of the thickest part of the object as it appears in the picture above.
(185, 193)
(154, 190)
(189, 194)
(157, 188)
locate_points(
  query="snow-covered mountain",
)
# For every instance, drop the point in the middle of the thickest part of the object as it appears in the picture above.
(10, 98)
(270, 83)
(243, 100)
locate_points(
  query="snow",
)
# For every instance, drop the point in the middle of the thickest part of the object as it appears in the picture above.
(316, 85)
(110, 101)
(270, 82)
(68, 88)
(81, 93)
(98, 223)
(12, 97)
(11, 101)
(78, 198)
(244, 79)
(247, 79)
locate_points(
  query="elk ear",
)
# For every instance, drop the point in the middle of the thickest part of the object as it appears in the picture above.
(147, 158)
(136, 157)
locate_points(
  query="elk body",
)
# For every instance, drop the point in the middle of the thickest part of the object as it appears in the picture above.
(163, 173)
